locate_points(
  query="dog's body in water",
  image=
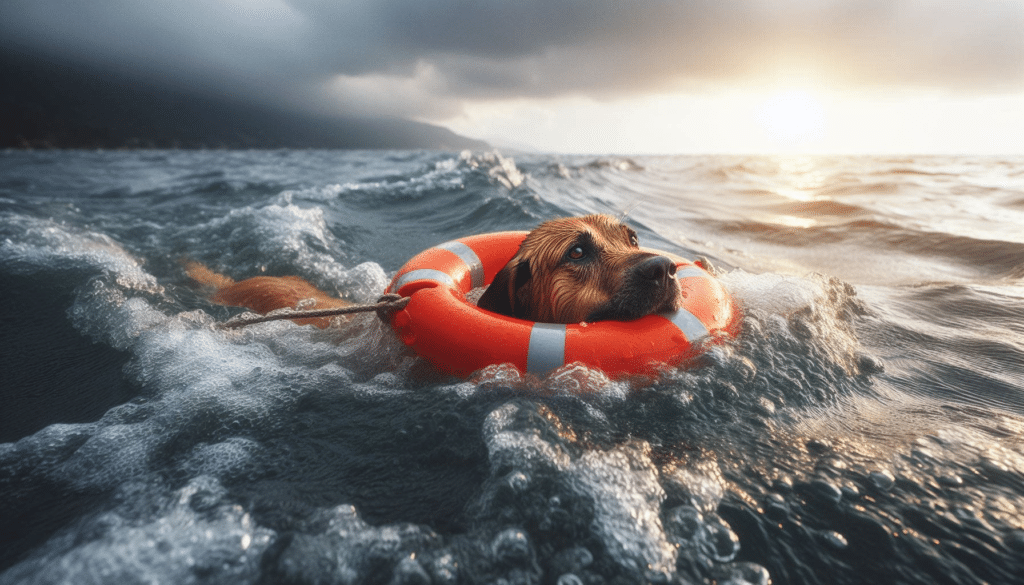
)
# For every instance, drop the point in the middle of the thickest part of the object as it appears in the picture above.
(568, 270)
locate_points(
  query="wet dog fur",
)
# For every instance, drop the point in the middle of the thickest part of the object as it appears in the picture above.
(579, 269)
(567, 270)
(264, 294)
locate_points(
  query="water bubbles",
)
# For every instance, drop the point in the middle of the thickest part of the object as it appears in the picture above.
(700, 483)
(773, 293)
(578, 380)
(172, 539)
(409, 572)
(685, 524)
(498, 376)
(230, 459)
(512, 547)
(623, 485)
(512, 448)
(572, 560)
(112, 455)
(445, 569)
(206, 501)
(710, 536)
(518, 481)
(799, 331)
(616, 495)
(742, 574)
(719, 542)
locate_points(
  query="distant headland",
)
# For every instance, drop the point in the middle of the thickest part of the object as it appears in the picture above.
(53, 104)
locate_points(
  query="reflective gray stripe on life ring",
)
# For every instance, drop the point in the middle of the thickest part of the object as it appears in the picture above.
(469, 257)
(547, 348)
(424, 274)
(689, 324)
(690, 271)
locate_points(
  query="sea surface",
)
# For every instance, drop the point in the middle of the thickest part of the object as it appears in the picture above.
(866, 426)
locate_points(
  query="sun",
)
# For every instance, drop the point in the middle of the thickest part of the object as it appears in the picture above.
(792, 120)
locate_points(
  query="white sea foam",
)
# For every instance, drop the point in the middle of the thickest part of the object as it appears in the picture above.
(299, 424)
(194, 534)
(42, 245)
(772, 293)
(623, 485)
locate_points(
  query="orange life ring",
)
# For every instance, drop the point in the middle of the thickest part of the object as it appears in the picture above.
(458, 337)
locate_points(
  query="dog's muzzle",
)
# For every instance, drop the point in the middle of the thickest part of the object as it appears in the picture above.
(648, 287)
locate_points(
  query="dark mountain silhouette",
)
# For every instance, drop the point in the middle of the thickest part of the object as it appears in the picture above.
(46, 103)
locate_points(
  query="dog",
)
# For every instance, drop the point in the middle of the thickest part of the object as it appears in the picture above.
(264, 294)
(583, 269)
(569, 270)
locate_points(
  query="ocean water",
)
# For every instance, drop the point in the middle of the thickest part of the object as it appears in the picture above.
(866, 426)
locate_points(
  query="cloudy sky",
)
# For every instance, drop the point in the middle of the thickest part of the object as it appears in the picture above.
(625, 76)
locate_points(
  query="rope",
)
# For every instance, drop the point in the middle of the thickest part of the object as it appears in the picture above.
(385, 306)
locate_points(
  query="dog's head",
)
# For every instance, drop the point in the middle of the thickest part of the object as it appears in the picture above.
(583, 269)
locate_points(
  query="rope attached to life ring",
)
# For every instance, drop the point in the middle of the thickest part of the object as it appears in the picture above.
(385, 306)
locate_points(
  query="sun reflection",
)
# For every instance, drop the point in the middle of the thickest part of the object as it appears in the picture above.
(793, 221)
(799, 178)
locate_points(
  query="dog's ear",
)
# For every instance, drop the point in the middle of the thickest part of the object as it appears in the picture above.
(505, 295)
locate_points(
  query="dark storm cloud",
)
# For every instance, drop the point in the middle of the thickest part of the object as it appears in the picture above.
(424, 56)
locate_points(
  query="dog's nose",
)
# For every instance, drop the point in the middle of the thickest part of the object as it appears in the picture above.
(658, 269)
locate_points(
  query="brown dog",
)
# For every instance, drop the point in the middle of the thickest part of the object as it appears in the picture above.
(583, 269)
(566, 271)
(264, 294)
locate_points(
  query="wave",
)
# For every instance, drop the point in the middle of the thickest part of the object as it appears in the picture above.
(844, 423)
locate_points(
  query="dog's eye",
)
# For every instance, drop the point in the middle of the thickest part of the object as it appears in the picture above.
(576, 252)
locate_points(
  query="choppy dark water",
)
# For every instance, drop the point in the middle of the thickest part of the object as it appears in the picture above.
(867, 426)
